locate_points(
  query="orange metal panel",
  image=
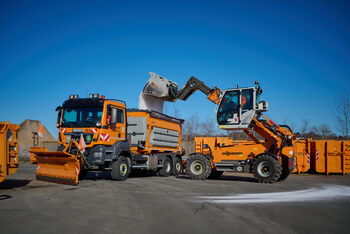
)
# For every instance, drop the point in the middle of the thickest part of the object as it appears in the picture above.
(302, 156)
(346, 151)
(8, 149)
(330, 156)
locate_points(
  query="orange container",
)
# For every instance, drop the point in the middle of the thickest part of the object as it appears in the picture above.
(330, 156)
(8, 149)
(302, 156)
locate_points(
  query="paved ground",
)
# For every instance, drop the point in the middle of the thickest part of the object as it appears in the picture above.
(301, 204)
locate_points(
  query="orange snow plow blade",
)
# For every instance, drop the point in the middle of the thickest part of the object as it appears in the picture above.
(57, 167)
(33, 152)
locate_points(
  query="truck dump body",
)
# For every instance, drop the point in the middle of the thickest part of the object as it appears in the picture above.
(8, 149)
(150, 131)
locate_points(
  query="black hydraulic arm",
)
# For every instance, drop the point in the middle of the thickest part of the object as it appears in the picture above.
(192, 85)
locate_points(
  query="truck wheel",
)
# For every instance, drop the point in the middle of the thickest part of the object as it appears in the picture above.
(120, 169)
(178, 166)
(82, 174)
(267, 169)
(167, 169)
(215, 175)
(198, 167)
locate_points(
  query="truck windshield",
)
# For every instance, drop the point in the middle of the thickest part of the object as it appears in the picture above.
(82, 117)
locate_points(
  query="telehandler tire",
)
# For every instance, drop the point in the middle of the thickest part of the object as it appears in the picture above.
(284, 175)
(215, 175)
(267, 169)
(198, 167)
(120, 169)
(167, 169)
(178, 166)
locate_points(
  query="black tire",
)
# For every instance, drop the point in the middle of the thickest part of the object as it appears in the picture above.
(82, 174)
(167, 167)
(120, 169)
(177, 166)
(267, 169)
(284, 175)
(215, 175)
(198, 167)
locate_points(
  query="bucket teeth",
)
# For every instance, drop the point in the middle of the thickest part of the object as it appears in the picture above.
(72, 181)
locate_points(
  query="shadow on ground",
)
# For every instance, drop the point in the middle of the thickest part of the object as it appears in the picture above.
(11, 184)
(224, 178)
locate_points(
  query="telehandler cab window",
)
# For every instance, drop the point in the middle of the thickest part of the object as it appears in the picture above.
(247, 99)
(228, 112)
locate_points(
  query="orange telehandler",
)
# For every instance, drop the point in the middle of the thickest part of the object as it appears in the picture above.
(96, 133)
(8, 149)
(270, 160)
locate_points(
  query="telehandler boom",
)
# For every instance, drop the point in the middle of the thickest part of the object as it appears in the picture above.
(270, 160)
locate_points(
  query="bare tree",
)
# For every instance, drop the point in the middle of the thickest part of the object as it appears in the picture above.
(325, 131)
(191, 127)
(304, 126)
(208, 127)
(343, 113)
(289, 123)
(314, 130)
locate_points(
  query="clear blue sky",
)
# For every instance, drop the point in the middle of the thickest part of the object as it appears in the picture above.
(299, 51)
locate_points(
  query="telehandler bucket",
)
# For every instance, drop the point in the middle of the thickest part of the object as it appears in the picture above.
(58, 167)
(160, 87)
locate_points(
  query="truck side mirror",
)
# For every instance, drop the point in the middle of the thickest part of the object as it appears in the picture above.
(114, 116)
(58, 118)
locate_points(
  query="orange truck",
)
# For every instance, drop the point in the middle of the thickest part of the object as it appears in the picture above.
(8, 149)
(96, 133)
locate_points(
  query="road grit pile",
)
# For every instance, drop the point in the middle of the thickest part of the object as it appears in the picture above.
(326, 192)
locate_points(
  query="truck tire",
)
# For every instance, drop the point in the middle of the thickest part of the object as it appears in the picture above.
(167, 169)
(215, 175)
(267, 169)
(178, 166)
(198, 167)
(82, 174)
(120, 169)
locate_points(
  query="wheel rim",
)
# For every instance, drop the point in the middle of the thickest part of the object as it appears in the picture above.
(123, 168)
(197, 167)
(265, 169)
(167, 167)
(178, 166)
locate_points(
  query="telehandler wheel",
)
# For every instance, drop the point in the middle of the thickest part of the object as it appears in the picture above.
(284, 175)
(267, 169)
(167, 169)
(198, 167)
(178, 166)
(215, 175)
(120, 169)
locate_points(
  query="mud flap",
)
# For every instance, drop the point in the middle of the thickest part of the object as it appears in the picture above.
(57, 167)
